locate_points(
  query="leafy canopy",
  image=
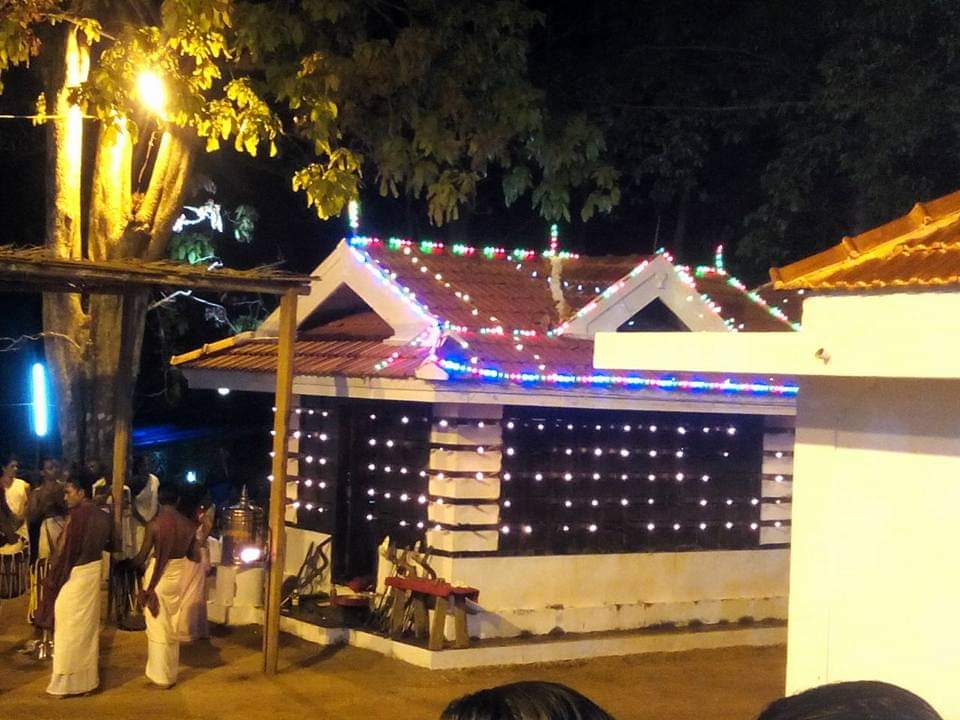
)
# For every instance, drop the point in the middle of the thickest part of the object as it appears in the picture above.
(427, 97)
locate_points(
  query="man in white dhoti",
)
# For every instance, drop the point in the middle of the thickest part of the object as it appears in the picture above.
(171, 540)
(193, 610)
(71, 597)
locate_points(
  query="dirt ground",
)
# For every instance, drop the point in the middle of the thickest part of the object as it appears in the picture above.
(221, 679)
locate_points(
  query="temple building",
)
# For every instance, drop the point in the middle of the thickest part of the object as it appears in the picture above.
(447, 396)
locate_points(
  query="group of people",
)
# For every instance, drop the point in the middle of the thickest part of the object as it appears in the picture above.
(861, 700)
(60, 540)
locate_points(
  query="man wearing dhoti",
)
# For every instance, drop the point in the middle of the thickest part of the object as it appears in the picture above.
(193, 608)
(71, 594)
(171, 540)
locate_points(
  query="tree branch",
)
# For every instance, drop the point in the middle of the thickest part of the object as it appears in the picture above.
(8, 344)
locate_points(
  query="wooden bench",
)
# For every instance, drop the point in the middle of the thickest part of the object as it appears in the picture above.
(418, 591)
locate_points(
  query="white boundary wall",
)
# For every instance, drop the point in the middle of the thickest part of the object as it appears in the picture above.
(593, 593)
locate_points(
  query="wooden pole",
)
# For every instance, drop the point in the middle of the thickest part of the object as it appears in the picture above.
(277, 510)
(123, 409)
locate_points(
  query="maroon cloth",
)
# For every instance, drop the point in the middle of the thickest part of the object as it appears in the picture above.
(85, 524)
(173, 536)
(427, 586)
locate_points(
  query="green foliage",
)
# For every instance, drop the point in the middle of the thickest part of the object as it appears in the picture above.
(425, 97)
(191, 247)
(244, 220)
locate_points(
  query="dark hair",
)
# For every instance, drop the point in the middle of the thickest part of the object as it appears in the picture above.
(860, 700)
(168, 495)
(140, 464)
(9, 458)
(84, 479)
(534, 700)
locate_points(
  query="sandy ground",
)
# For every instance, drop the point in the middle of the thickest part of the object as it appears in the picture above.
(221, 679)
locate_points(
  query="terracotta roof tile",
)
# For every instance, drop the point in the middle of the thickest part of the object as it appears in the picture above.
(736, 305)
(472, 293)
(517, 294)
(919, 249)
(316, 357)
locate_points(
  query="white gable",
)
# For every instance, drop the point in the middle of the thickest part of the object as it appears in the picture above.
(344, 267)
(658, 280)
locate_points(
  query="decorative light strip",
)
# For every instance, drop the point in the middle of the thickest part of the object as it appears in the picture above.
(431, 247)
(404, 293)
(773, 310)
(353, 215)
(607, 293)
(419, 341)
(625, 381)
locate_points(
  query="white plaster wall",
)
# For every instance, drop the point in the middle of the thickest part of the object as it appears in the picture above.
(586, 593)
(874, 580)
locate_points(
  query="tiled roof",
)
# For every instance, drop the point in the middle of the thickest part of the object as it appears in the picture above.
(920, 249)
(501, 293)
(497, 311)
(789, 301)
(312, 357)
(744, 312)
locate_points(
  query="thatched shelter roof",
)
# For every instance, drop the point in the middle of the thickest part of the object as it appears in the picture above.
(35, 268)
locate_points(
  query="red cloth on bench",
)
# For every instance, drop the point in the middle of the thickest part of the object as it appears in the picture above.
(435, 588)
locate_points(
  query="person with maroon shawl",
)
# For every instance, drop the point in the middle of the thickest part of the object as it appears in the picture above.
(171, 539)
(71, 593)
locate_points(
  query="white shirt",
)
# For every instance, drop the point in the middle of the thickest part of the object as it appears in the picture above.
(146, 500)
(16, 496)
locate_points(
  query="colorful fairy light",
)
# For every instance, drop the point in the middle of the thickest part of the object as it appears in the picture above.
(726, 386)
(353, 216)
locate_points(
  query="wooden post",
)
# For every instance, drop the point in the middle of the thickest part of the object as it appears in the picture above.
(281, 425)
(123, 409)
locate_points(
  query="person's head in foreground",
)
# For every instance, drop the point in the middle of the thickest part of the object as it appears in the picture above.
(525, 701)
(79, 487)
(861, 700)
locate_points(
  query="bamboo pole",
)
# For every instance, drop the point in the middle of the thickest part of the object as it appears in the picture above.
(277, 510)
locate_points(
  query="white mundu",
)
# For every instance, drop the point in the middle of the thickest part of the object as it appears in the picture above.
(163, 637)
(76, 635)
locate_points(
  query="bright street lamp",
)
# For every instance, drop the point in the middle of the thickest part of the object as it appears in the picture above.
(152, 93)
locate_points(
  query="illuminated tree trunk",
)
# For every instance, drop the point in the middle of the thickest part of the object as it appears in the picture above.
(121, 220)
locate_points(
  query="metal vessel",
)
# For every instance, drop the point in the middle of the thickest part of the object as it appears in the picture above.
(242, 532)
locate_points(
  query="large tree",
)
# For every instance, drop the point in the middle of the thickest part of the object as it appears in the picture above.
(422, 97)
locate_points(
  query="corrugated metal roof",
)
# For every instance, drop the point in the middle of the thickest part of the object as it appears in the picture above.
(919, 249)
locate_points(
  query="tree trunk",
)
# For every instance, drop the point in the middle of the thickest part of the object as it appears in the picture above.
(117, 227)
(62, 312)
